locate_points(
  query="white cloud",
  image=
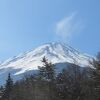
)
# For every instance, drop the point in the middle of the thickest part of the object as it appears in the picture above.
(68, 26)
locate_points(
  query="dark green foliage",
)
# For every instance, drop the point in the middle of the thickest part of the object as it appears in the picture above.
(47, 71)
(7, 94)
(1, 91)
(96, 76)
(72, 83)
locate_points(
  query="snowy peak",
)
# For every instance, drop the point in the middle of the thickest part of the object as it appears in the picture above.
(55, 52)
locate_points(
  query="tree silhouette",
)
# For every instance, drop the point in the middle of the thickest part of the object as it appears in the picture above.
(8, 88)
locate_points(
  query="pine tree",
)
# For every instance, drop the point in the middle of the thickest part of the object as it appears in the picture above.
(48, 70)
(8, 88)
(96, 76)
(73, 84)
(1, 91)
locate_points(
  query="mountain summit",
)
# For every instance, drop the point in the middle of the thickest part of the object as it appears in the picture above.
(55, 52)
(25, 63)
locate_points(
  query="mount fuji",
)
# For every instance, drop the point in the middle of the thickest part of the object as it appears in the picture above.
(28, 62)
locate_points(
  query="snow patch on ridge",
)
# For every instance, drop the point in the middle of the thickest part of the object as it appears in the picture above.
(55, 52)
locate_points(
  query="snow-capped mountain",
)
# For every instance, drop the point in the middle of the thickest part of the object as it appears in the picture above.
(54, 52)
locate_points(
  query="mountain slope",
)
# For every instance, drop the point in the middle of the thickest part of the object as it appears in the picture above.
(55, 52)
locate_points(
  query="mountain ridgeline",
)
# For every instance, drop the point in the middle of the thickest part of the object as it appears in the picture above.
(51, 72)
(71, 83)
(58, 53)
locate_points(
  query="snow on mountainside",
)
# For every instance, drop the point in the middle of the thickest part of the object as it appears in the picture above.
(55, 52)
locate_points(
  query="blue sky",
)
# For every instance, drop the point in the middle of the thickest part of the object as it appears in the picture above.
(25, 24)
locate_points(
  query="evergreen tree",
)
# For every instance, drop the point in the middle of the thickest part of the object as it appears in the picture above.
(73, 84)
(8, 88)
(47, 71)
(96, 76)
(1, 91)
